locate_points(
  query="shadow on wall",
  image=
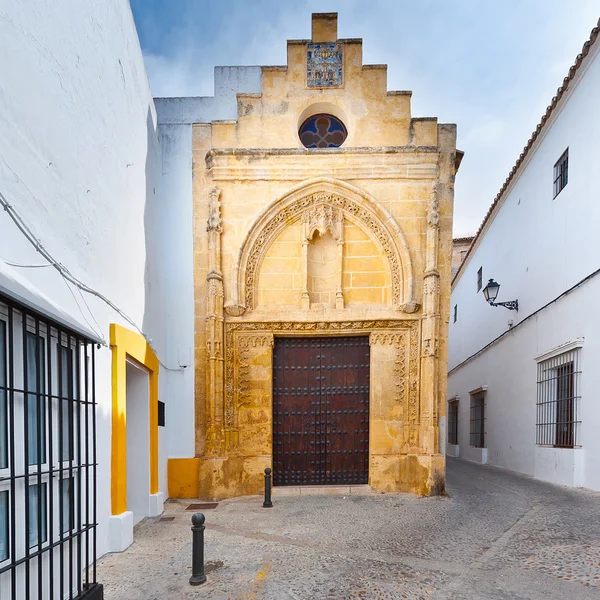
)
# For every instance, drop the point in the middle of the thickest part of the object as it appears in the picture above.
(154, 323)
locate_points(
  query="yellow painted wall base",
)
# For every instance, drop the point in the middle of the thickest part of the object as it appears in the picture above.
(183, 477)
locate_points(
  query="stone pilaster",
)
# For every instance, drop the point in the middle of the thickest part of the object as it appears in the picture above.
(215, 442)
(430, 329)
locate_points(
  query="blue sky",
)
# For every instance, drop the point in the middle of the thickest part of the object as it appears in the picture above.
(490, 66)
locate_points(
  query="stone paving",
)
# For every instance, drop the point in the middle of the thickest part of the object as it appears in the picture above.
(497, 536)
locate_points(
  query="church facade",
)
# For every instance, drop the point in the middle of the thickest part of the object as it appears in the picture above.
(322, 261)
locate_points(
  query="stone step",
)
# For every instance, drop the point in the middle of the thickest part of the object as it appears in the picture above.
(323, 490)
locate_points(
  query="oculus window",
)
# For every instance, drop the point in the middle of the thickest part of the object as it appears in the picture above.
(322, 131)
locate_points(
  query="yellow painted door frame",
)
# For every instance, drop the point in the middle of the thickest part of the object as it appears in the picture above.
(126, 343)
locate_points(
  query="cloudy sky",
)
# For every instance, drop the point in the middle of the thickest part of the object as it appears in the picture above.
(490, 66)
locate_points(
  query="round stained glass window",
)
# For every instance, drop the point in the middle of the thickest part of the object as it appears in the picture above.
(322, 131)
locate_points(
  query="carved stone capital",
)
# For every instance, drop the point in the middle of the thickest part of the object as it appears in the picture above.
(234, 310)
(410, 307)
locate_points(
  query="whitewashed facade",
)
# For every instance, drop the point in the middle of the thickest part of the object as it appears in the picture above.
(536, 370)
(105, 187)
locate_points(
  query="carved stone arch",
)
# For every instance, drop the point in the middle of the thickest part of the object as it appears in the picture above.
(356, 205)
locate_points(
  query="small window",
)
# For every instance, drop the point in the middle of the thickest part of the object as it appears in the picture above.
(561, 173)
(161, 414)
(455, 313)
(558, 401)
(322, 131)
(3, 525)
(478, 421)
(453, 422)
(38, 533)
(479, 278)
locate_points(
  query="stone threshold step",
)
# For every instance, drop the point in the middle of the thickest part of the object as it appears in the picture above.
(323, 490)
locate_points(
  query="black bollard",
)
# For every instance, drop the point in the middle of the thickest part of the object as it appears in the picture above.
(198, 577)
(267, 503)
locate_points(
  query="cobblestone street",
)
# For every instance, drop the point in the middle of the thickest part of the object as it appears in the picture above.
(497, 536)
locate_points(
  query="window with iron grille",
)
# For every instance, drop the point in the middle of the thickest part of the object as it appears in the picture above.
(477, 432)
(561, 172)
(479, 278)
(557, 422)
(453, 422)
(48, 514)
(455, 313)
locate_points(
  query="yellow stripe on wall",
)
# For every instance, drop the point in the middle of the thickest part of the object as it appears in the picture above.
(126, 343)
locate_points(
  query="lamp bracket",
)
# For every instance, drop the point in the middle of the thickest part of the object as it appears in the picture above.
(510, 305)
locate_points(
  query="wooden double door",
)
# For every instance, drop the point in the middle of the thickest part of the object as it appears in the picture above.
(321, 411)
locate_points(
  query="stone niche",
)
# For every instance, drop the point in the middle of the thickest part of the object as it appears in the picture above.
(323, 260)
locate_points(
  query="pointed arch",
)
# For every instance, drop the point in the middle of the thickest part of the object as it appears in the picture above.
(356, 205)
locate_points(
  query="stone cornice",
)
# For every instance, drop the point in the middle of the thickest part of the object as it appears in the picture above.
(295, 164)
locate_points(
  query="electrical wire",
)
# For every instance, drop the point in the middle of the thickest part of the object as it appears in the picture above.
(22, 266)
(99, 334)
(91, 313)
(68, 276)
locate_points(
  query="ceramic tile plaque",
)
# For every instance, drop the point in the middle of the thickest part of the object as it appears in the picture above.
(324, 65)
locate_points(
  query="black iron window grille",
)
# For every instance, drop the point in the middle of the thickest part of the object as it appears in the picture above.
(479, 278)
(477, 431)
(557, 422)
(453, 422)
(561, 173)
(48, 510)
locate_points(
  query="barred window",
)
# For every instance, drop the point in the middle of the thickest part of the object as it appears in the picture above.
(478, 421)
(561, 172)
(48, 512)
(453, 422)
(557, 422)
(479, 278)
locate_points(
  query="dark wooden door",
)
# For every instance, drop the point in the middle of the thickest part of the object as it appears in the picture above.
(321, 411)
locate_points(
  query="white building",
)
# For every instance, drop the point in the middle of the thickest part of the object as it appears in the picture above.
(96, 288)
(523, 384)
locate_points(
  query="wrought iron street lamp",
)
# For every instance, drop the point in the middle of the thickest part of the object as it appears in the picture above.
(490, 293)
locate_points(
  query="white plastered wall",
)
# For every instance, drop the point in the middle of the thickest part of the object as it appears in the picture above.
(175, 238)
(536, 247)
(79, 161)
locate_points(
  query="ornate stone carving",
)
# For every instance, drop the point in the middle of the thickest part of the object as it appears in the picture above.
(355, 205)
(413, 394)
(323, 218)
(433, 215)
(387, 339)
(235, 310)
(214, 210)
(400, 374)
(241, 336)
(349, 208)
